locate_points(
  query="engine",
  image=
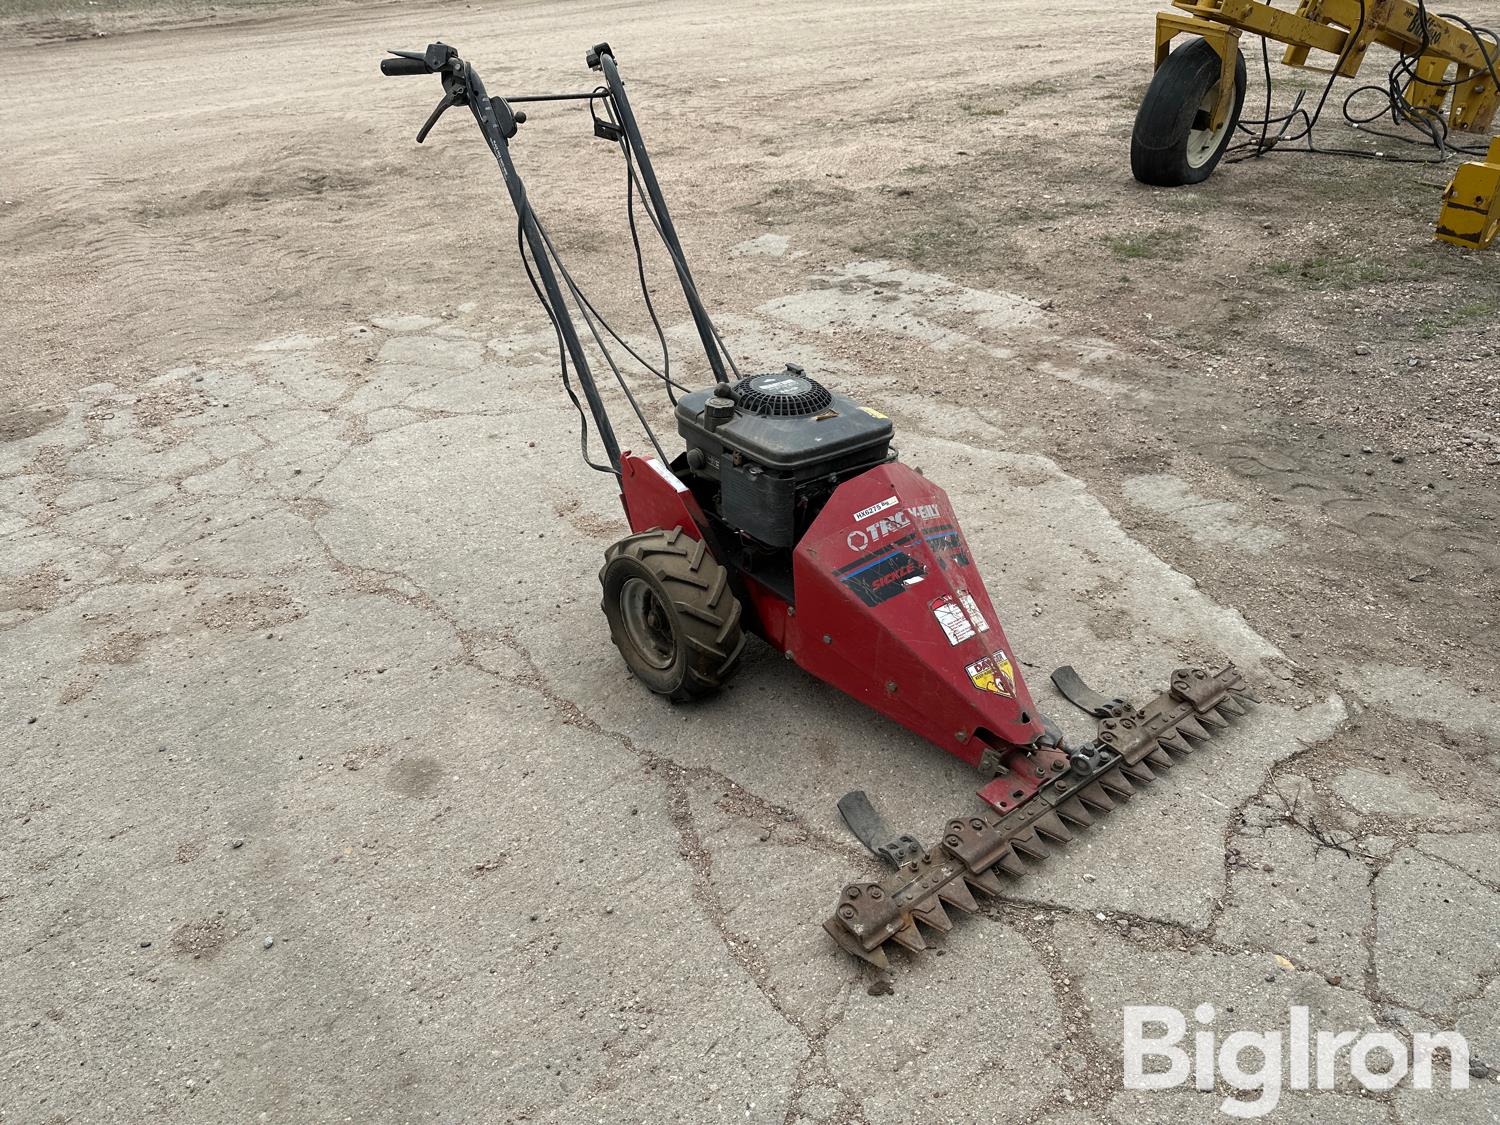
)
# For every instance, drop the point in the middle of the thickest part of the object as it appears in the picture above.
(773, 447)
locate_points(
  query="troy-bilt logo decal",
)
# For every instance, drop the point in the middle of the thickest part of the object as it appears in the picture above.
(993, 674)
(887, 526)
(881, 578)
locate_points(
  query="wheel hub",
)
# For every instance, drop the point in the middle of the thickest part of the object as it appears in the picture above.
(647, 623)
(1203, 141)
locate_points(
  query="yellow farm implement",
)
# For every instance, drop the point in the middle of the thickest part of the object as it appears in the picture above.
(1446, 80)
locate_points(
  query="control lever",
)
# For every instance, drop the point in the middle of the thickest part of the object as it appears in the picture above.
(450, 99)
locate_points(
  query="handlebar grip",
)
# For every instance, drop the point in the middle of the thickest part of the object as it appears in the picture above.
(398, 66)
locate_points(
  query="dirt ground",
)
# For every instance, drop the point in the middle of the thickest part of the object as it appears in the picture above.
(327, 798)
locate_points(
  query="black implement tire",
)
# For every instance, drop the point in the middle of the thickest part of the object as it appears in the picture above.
(1172, 145)
(671, 613)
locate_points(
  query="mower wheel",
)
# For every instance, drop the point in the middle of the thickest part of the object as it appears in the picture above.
(1172, 144)
(671, 613)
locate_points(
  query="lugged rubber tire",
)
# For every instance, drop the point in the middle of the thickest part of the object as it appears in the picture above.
(671, 613)
(1160, 149)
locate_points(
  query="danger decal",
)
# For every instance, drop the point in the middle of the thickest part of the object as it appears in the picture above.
(993, 674)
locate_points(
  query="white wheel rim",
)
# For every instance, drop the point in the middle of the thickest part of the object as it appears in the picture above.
(1204, 142)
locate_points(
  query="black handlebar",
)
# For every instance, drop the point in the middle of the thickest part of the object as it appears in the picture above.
(461, 86)
(404, 66)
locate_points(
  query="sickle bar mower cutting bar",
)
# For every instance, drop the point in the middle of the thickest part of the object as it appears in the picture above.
(1074, 789)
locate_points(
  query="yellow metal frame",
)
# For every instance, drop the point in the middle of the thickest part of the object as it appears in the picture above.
(1345, 29)
(1224, 39)
(1471, 205)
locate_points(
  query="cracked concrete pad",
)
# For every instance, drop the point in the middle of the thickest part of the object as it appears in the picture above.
(351, 623)
(1479, 1023)
(1436, 930)
(531, 978)
(432, 351)
(1372, 792)
(882, 296)
(1157, 966)
(297, 342)
(1218, 522)
(1443, 1105)
(765, 245)
(304, 377)
(41, 433)
(1198, 1107)
(1161, 966)
(1477, 853)
(768, 877)
(1413, 693)
(1313, 904)
(901, 1054)
(409, 322)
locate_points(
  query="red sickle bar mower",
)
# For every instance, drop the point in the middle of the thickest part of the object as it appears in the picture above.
(789, 515)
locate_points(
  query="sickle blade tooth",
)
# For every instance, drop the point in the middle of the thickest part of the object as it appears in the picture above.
(1116, 784)
(957, 895)
(1160, 759)
(1094, 796)
(1140, 773)
(932, 913)
(1073, 810)
(986, 880)
(1028, 844)
(1010, 863)
(850, 944)
(1245, 697)
(909, 936)
(1049, 827)
(1213, 719)
(1231, 704)
(1190, 727)
(1174, 741)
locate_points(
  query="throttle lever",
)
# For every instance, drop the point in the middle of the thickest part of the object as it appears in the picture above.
(450, 99)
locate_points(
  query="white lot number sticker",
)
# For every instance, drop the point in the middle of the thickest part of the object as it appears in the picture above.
(971, 607)
(865, 513)
(955, 622)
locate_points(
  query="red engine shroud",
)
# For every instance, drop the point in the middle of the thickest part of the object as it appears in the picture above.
(889, 609)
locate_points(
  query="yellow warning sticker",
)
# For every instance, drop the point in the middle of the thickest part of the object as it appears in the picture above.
(993, 674)
(873, 413)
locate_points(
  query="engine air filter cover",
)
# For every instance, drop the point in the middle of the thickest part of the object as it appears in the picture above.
(782, 394)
